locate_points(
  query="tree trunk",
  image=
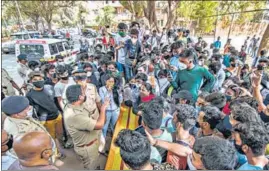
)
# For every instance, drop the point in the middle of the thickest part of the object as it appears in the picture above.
(171, 13)
(265, 40)
(49, 25)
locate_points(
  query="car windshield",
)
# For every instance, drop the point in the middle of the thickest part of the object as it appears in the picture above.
(27, 49)
(20, 37)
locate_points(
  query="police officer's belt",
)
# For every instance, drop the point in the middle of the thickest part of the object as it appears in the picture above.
(90, 143)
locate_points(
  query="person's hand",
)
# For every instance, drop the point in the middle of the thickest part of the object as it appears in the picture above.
(106, 103)
(21, 93)
(174, 160)
(139, 113)
(173, 68)
(150, 138)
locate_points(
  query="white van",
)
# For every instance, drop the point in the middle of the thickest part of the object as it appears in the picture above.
(46, 50)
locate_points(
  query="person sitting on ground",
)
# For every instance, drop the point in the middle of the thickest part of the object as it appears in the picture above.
(38, 154)
(152, 114)
(251, 139)
(135, 151)
(6, 144)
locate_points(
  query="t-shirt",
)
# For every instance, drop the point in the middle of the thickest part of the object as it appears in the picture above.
(167, 123)
(43, 103)
(166, 136)
(7, 161)
(248, 166)
(191, 80)
(122, 52)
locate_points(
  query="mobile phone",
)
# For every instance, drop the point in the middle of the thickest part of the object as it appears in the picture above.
(141, 130)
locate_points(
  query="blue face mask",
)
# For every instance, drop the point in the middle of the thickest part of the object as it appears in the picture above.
(228, 97)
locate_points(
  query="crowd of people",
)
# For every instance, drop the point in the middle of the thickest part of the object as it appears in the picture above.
(200, 106)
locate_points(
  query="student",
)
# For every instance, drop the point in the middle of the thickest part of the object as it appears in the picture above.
(215, 68)
(191, 78)
(183, 97)
(48, 74)
(175, 64)
(135, 151)
(251, 139)
(217, 43)
(152, 114)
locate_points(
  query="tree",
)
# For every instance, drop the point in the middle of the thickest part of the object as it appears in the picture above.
(265, 39)
(50, 8)
(134, 7)
(171, 11)
(106, 16)
(149, 9)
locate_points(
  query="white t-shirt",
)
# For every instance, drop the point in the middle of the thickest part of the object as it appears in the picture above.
(122, 52)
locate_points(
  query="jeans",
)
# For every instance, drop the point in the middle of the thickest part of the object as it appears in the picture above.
(111, 120)
(128, 72)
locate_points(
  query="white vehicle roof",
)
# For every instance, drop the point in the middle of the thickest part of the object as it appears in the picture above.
(40, 41)
(21, 33)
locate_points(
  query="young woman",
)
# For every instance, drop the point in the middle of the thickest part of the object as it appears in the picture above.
(111, 92)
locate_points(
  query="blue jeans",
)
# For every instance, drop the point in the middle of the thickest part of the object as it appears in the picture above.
(111, 120)
(128, 72)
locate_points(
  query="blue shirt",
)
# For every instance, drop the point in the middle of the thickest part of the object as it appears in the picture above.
(104, 93)
(217, 44)
(175, 62)
(226, 60)
(248, 166)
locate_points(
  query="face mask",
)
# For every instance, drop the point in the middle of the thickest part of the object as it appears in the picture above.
(39, 84)
(190, 165)
(36, 69)
(122, 34)
(61, 63)
(89, 73)
(95, 63)
(228, 97)
(200, 63)
(64, 78)
(10, 142)
(134, 40)
(234, 65)
(239, 148)
(197, 125)
(183, 66)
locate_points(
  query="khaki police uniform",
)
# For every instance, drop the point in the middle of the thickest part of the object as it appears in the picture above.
(17, 127)
(92, 98)
(80, 122)
(7, 87)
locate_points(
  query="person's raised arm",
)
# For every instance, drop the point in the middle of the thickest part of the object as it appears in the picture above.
(102, 117)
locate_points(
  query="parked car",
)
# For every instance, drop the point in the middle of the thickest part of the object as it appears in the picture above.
(9, 47)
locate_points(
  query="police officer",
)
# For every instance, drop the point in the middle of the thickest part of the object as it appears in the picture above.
(8, 84)
(22, 68)
(18, 119)
(84, 125)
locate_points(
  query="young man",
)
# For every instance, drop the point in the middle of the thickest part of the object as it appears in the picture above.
(133, 47)
(251, 139)
(217, 44)
(192, 77)
(183, 97)
(84, 126)
(175, 64)
(154, 40)
(121, 51)
(135, 151)
(152, 114)
(22, 68)
(215, 68)
(45, 110)
(209, 117)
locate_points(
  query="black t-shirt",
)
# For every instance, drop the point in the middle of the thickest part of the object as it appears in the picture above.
(43, 103)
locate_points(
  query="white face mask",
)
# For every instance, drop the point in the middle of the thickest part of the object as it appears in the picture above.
(134, 40)
(200, 63)
(190, 165)
(89, 73)
(182, 66)
(61, 63)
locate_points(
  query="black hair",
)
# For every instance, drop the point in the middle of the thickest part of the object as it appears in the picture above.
(251, 101)
(148, 87)
(217, 99)
(134, 32)
(264, 60)
(217, 57)
(163, 72)
(152, 115)
(216, 153)
(134, 23)
(263, 52)
(188, 53)
(215, 50)
(186, 115)
(232, 59)
(86, 65)
(122, 26)
(61, 69)
(177, 45)
(141, 76)
(212, 116)
(73, 92)
(48, 67)
(203, 95)
(111, 63)
(255, 135)
(166, 103)
(214, 67)
(246, 66)
(114, 90)
(110, 53)
(135, 148)
(33, 64)
(243, 113)
(202, 57)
